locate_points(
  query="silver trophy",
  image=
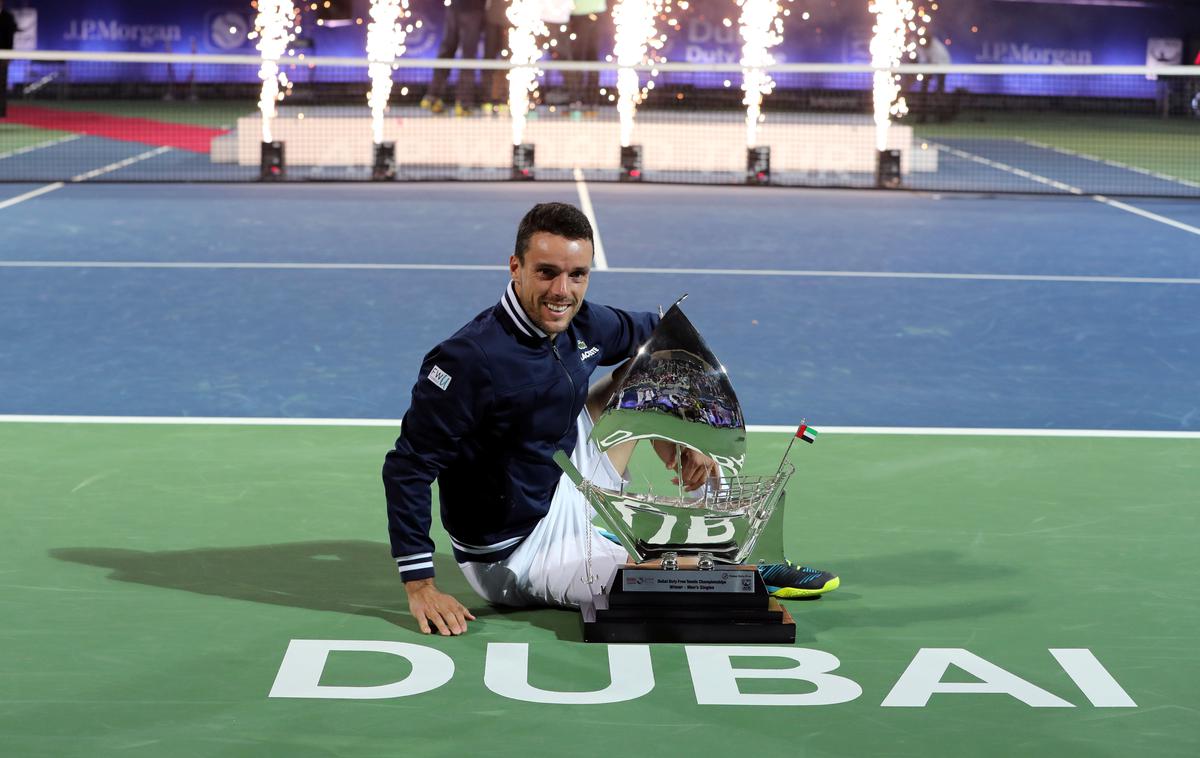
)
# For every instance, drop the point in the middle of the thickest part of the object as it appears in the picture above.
(692, 555)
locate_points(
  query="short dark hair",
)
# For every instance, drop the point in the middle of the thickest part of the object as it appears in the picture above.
(562, 219)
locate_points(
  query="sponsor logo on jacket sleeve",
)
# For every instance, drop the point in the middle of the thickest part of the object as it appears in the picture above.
(440, 378)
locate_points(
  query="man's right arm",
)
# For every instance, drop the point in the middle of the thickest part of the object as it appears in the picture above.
(434, 609)
(449, 398)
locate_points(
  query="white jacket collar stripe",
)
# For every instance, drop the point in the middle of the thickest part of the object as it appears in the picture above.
(512, 306)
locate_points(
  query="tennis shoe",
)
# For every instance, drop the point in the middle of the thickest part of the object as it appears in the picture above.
(784, 580)
(788, 581)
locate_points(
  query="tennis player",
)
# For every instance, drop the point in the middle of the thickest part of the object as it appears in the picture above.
(491, 406)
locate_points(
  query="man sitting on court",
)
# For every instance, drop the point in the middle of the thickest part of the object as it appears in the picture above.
(491, 406)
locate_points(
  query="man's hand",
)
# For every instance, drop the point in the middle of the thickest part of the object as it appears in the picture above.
(428, 604)
(696, 467)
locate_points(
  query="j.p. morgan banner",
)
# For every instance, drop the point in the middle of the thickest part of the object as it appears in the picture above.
(822, 31)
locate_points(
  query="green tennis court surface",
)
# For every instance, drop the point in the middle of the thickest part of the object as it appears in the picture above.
(153, 578)
(17, 136)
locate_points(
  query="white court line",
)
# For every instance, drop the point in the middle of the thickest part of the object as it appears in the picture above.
(83, 177)
(1147, 214)
(816, 273)
(258, 265)
(1073, 190)
(1010, 169)
(200, 420)
(1109, 162)
(940, 431)
(600, 262)
(912, 275)
(39, 146)
(387, 422)
(120, 164)
(30, 195)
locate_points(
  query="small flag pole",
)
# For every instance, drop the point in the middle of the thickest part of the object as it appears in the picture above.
(792, 441)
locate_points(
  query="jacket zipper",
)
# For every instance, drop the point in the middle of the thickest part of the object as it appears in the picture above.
(557, 357)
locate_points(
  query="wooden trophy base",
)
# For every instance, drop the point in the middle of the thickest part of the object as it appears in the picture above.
(650, 604)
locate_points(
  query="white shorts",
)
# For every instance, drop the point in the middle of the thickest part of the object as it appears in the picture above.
(550, 566)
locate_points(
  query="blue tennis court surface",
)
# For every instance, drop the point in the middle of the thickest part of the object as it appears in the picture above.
(854, 308)
(1020, 166)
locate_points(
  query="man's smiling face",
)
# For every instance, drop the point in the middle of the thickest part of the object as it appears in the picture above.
(552, 279)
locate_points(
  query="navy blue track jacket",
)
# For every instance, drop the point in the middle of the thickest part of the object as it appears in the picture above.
(490, 407)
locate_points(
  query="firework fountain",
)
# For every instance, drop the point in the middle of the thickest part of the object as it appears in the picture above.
(385, 43)
(888, 46)
(273, 27)
(635, 36)
(762, 29)
(525, 17)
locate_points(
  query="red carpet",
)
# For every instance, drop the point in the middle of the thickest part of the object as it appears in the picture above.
(196, 139)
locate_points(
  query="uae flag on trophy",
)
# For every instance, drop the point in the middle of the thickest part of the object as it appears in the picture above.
(807, 433)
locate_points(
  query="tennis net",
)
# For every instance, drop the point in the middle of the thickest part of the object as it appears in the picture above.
(161, 117)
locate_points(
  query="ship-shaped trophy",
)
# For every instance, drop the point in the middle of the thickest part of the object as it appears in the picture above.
(691, 575)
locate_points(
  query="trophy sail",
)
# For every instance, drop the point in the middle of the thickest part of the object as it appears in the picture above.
(677, 390)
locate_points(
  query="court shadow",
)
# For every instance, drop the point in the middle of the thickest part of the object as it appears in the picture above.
(355, 577)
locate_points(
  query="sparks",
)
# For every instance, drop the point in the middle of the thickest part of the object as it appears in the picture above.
(636, 38)
(385, 43)
(525, 16)
(888, 46)
(761, 29)
(272, 26)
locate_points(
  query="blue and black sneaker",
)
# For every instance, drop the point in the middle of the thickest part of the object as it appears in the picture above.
(784, 580)
(787, 580)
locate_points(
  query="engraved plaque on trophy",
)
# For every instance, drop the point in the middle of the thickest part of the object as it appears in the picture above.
(693, 557)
